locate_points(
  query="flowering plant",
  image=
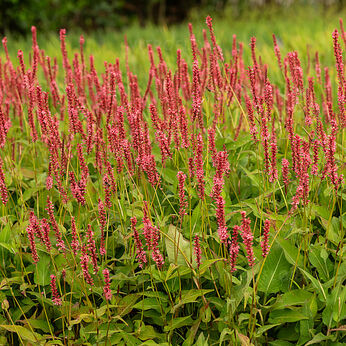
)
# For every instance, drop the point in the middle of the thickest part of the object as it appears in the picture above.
(192, 207)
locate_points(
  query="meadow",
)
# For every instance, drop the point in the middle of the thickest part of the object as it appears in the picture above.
(176, 186)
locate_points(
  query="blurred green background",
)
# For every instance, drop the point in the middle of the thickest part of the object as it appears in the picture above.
(17, 16)
(301, 25)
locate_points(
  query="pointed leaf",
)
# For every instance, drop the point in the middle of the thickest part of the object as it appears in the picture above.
(179, 322)
(275, 273)
(285, 316)
(317, 284)
(295, 297)
(291, 251)
(43, 270)
(23, 333)
(178, 248)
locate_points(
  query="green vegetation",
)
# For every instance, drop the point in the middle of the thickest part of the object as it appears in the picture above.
(150, 203)
(298, 28)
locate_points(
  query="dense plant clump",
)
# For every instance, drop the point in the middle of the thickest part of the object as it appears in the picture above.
(204, 207)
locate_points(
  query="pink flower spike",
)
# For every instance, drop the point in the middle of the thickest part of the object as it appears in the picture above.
(45, 229)
(3, 188)
(31, 236)
(197, 250)
(157, 257)
(285, 170)
(141, 256)
(55, 294)
(234, 248)
(182, 198)
(59, 241)
(92, 248)
(84, 262)
(247, 236)
(103, 222)
(264, 242)
(220, 215)
(106, 288)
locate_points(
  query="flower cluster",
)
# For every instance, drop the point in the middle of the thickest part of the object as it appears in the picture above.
(55, 294)
(110, 144)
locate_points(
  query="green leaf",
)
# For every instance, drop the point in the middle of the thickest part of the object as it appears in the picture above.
(23, 333)
(178, 322)
(169, 175)
(148, 304)
(320, 211)
(43, 270)
(240, 142)
(171, 269)
(28, 193)
(5, 234)
(7, 282)
(54, 342)
(151, 343)
(42, 299)
(39, 324)
(201, 340)
(318, 338)
(196, 217)
(275, 273)
(82, 317)
(295, 297)
(8, 247)
(206, 264)
(306, 327)
(281, 343)
(285, 316)
(335, 310)
(155, 316)
(189, 296)
(146, 332)
(129, 339)
(240, 292)
(191, 334)
(319, 263)
(332, 229)
(317, 284)
(178, 248)
(25, 307)
(225, 335)
(255, 176)
(263, 329)
(157, 295)
(291, 251)
(69, 207)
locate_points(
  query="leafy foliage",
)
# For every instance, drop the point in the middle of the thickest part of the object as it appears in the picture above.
(92, 158)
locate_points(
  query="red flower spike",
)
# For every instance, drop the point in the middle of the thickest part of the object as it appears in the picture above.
(106, 288)
(84, 262)
(247, 236)
(141, 256)
(197, 251)
(182, 198)
(264, 242)
(55, 294)
(234, 248)
(92, 249)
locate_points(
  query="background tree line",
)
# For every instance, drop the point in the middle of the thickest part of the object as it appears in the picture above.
(17, 16)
